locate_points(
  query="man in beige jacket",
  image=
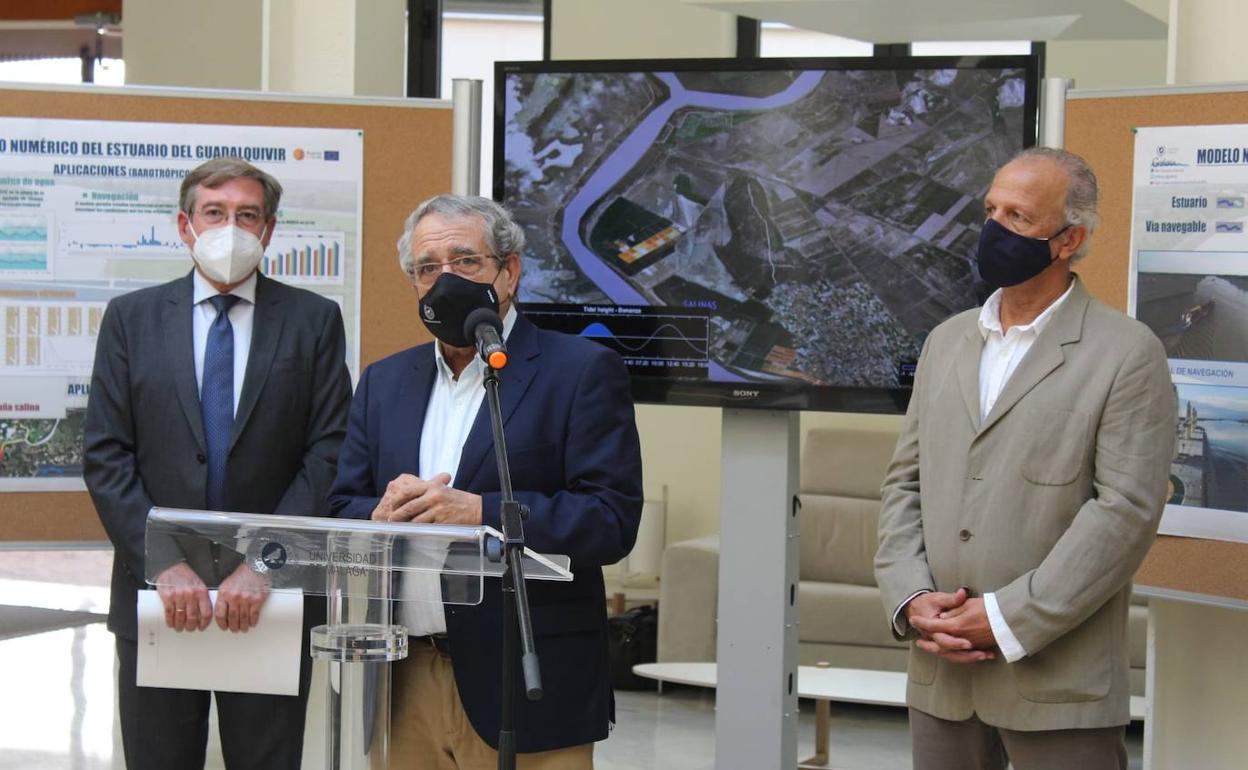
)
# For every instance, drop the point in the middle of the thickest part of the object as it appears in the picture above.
(1027, 485)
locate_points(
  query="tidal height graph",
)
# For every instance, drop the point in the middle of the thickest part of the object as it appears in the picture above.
(653, 341)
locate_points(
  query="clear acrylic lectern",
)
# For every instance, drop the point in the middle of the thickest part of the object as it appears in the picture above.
(354, 564)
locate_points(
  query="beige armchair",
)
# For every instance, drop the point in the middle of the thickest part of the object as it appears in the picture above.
(840, 615)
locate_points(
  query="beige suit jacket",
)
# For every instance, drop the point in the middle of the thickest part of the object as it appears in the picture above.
(1051, 502)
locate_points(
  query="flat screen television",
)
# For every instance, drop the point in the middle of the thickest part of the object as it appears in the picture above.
(773, 233)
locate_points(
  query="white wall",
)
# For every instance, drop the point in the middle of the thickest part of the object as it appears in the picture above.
(638, 29)
(1108, 64)
(783, 40)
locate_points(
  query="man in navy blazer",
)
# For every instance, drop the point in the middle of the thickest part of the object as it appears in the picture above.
(419, 448)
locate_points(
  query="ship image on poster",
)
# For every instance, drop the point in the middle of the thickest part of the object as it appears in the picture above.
(779, 226)
(1201, 317)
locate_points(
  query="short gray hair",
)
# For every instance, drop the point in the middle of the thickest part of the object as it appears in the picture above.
(502, 235)
(216, 172)
(1082, 193)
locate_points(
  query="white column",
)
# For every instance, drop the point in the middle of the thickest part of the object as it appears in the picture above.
(1207, 41)
(339, 47)
(381, 48)
(343, 47)
(310, 46)
(193, 44)
(756, 642)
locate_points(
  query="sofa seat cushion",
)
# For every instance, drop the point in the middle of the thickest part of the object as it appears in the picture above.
(839, 613)
(839, 539)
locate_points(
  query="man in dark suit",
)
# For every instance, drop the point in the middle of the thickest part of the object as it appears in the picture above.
(419, 448)
(221, 390)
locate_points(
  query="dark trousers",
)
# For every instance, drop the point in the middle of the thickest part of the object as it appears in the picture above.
(972, 745)
(166, 729)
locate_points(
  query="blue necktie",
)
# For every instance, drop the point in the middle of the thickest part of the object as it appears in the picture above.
(216, 398)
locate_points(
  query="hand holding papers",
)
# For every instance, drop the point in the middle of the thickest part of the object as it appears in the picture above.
(238, 602)
(185, 599)
(264, 660)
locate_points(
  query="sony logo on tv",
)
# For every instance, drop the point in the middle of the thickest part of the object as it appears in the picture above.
(739, 393)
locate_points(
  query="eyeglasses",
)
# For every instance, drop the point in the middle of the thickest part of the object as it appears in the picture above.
(217, 215)
(467, 266)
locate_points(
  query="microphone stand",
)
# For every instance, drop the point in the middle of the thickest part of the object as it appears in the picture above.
(517, 625)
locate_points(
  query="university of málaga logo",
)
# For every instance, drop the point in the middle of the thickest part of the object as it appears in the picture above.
(273, 555)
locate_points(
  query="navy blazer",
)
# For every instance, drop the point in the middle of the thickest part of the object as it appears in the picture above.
(575, 462)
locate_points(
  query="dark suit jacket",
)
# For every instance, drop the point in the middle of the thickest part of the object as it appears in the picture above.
(575, 461)
(143, 442)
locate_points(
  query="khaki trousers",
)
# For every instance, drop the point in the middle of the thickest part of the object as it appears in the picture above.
(972, 745)
(430, 731)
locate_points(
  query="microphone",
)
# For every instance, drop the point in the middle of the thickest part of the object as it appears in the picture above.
(484, 326)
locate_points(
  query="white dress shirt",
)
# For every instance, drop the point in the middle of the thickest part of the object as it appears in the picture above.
(449, 416)
(1001, 355)
(241, 316)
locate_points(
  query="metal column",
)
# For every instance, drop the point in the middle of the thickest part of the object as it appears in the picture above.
(466, 136)
(756, 703)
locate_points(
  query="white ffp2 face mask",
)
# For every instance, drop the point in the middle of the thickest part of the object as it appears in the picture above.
(227, 254)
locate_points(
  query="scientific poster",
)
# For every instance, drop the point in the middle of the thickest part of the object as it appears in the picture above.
(88, 211)
(1189, 283)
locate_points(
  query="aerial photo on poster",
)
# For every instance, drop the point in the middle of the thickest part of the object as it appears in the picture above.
(815, 223)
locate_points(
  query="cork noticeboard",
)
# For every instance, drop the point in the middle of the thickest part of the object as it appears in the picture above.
(407, 158)
(1100, 129)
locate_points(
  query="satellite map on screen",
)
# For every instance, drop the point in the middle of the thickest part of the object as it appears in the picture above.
(800, 226)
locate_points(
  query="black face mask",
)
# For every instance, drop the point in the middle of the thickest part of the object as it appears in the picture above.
(446, 306)
(1006, 258)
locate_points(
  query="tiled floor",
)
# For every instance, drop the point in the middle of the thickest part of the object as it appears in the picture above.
(58, 702)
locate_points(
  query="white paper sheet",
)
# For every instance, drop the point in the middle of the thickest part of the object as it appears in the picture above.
(264, 660)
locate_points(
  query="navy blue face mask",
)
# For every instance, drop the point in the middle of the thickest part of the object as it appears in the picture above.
(1006, 258)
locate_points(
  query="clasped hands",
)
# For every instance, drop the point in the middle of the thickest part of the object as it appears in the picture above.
(428, 501)
(188, 607)
(953, 626)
